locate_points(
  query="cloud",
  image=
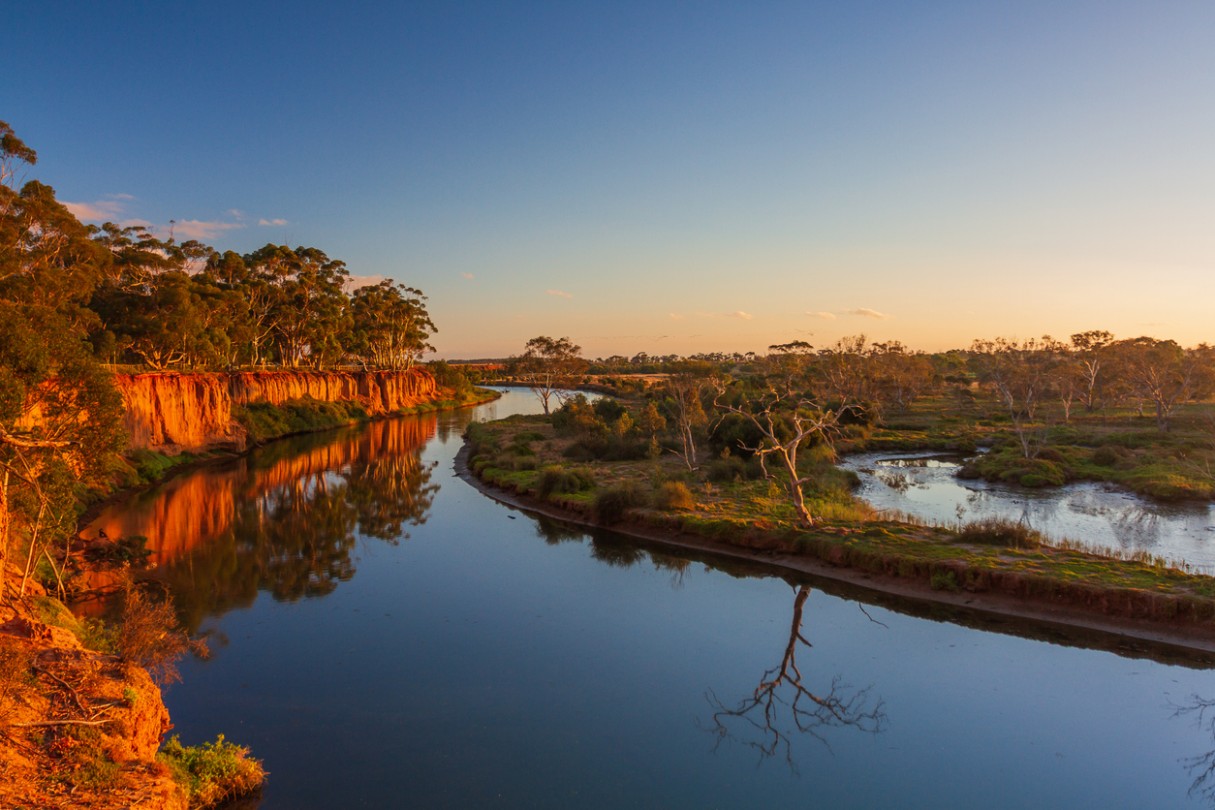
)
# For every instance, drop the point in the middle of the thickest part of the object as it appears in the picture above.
(865, 312)
(236, 213)
(99, 211)
(560, 293)
(468, 276)
(277, 222)
(826, 316)
(675, 316)
(198, 229)
(743, 316)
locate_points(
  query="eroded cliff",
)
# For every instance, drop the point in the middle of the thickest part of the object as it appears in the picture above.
(175, 412)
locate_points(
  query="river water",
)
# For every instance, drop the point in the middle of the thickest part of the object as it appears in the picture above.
(384, 635)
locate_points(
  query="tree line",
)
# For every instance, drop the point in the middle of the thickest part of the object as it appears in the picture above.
(75, 297)
(758, 412)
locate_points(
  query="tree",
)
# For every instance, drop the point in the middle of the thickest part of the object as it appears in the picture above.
(787, 420)
(549, 367)
(682, 397)
(391, 327)
(59, 410)
(1161, 372)
(1090, 355)
(1020, 374)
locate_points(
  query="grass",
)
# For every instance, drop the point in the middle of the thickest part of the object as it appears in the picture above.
(755, 512)
(213, 773)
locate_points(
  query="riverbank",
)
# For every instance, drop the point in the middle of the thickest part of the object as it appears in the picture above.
(522, 462)
(81, 726)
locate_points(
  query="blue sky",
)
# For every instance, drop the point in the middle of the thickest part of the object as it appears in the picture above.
(661, 177)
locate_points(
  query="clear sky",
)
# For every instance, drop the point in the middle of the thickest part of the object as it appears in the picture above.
(667, 177)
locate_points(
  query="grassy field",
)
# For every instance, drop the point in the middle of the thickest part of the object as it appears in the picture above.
(725, 501)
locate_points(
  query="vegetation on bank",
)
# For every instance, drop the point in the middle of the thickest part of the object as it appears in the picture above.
(594, 462)
(214, 772)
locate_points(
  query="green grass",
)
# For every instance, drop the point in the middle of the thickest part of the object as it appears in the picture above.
(755, 512)
(213, 773)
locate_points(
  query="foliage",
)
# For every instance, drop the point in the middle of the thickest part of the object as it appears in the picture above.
(214, 772)
(264, 421)
(1000, 532)
(613, 503)
(549, 366)
(673, 495)
(556, 480)
(149, 636)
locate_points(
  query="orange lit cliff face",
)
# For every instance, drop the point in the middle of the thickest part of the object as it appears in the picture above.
(174, 412)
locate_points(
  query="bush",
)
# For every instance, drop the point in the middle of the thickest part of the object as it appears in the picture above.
(150, 636)
(1000, 532)
(613, 503)
(562, 481)
(672, 495)
(213, 773)
(734, 468)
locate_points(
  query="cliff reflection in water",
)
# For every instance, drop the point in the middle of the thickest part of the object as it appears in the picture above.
(285, 519)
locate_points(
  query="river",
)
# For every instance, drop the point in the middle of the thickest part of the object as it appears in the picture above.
(384, 635)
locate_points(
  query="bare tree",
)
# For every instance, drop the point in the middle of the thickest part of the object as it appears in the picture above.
(787, 420)
(683, 392)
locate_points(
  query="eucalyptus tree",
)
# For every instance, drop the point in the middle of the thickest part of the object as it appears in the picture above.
(52, 436)
(390, 325)
(549, 366)
(787, 416)
(1020, 374)
(309, 308)
(1163, 373)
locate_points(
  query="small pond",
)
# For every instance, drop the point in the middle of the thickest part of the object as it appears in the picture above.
(1096, 515)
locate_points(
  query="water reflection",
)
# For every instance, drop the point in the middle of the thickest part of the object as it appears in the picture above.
(1202, 766)
(785, 704)
(1095, 515)
(287, 520)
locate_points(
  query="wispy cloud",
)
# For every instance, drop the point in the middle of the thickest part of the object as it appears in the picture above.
(826, 316)
(199, 229)
(276, 222)
(468, 276)
(676, 316)
(865, 312)
(743, 316)
(105, 210)
(559, 293)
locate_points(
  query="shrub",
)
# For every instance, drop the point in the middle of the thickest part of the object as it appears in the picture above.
(150, 636)
(213, 773)
(562, 481)
(1000, 532)
(672, 495)
(611, 504)
(945, 581)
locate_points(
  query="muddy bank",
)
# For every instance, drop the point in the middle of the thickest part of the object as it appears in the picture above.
(1188, 639)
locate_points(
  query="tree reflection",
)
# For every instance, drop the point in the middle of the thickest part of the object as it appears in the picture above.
(784, 704)
(1202, 766)
(297, 538)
